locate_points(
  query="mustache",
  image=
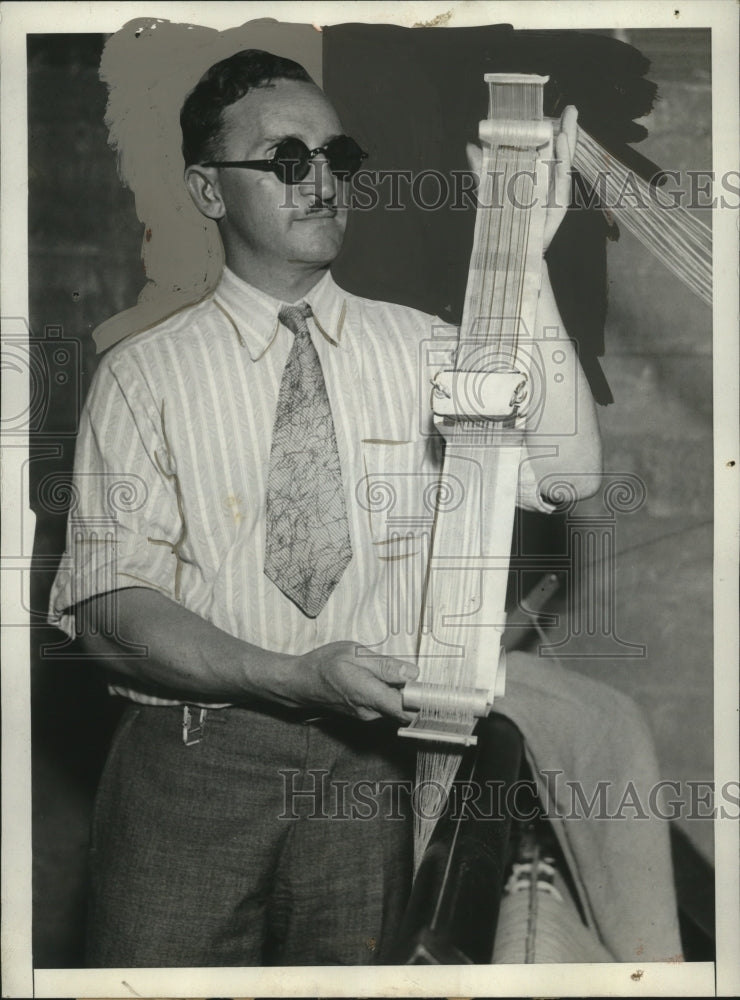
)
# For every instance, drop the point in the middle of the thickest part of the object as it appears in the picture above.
(318, 206)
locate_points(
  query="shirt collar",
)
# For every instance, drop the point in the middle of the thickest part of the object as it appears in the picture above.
(254, 314)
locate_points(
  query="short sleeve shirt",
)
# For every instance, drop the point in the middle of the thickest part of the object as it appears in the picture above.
(173, 454)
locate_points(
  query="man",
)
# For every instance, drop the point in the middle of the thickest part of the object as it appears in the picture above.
(250, 675)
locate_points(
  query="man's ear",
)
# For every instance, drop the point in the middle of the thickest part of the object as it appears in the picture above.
(202, 183)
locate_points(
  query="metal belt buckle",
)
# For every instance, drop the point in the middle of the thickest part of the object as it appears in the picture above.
(192, 732)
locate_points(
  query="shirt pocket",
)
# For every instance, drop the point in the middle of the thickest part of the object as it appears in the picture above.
(397, 495)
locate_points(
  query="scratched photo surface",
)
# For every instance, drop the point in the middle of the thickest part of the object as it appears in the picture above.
(115, 245)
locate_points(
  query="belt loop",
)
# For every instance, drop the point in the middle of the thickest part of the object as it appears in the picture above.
(192, 732)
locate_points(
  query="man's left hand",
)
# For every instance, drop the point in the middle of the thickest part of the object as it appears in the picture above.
(559, 193)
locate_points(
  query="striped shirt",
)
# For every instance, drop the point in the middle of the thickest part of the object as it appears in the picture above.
(172, 462)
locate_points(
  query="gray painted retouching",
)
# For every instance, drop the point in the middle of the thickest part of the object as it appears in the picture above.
(149, 66)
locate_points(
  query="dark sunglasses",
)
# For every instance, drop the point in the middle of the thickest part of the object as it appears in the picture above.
(292, 160)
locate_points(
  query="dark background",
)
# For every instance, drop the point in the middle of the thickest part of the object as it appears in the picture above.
(395, 94)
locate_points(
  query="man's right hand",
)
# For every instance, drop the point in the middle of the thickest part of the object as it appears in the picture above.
(347, 679)
(190, 657)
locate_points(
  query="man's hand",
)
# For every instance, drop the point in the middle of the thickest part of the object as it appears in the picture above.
(559, 194)
(347, 679)
(189, 657)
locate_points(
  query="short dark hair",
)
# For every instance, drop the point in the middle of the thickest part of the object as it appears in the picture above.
(224, 84)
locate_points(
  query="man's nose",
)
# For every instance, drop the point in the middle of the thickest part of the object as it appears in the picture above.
(320, 179)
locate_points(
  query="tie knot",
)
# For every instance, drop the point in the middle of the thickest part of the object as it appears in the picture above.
(295, 316)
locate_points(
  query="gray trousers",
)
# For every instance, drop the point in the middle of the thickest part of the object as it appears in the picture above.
(267, 841)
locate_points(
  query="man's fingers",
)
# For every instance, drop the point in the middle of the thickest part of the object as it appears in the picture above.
(560, 191)
(569, 128)
(565, 144)
(385, 668)
(394, 671)
(475, 157)
(562, 173)
(375, 689)
(562, 151)
(390, 703)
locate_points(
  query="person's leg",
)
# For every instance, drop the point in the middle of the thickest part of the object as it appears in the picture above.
(345, 875)
(185, 838)
(592, 754)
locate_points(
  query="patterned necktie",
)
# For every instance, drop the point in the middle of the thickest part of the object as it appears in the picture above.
(307, 544)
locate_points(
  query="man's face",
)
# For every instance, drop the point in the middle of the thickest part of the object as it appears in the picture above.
(266, 222)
